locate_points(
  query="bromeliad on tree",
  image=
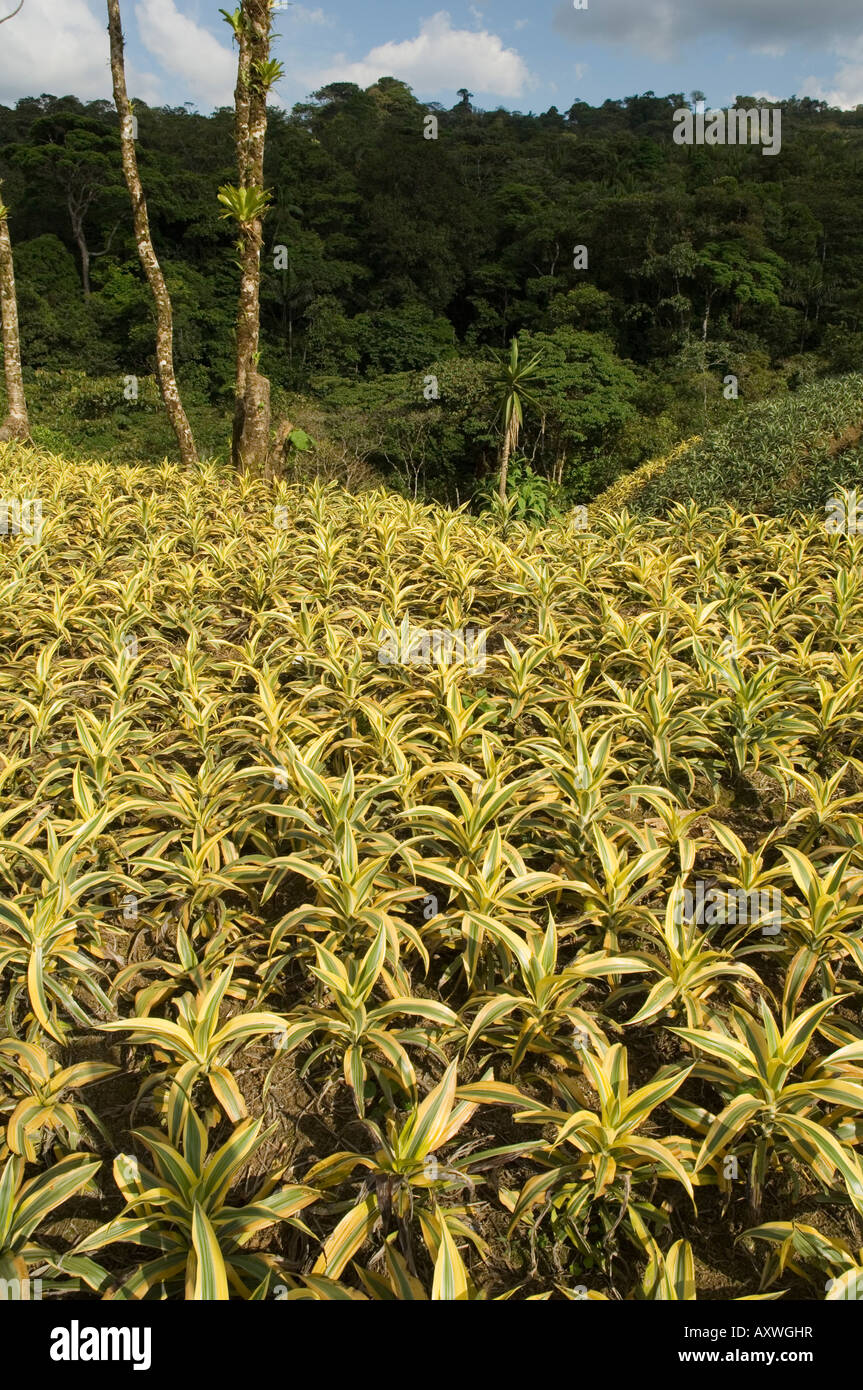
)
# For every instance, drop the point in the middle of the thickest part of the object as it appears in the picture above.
(257, 73)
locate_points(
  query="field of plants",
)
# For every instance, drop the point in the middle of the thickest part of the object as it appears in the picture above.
(328, 975)
(777, 457)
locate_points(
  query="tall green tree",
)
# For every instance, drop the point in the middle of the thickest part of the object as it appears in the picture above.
(70, 160)
(585, 396)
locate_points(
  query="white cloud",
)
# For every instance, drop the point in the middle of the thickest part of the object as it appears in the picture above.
(439, 58)
(301, 14)
(144, 86)
(847, 90)
(56, 48)
(187, 50)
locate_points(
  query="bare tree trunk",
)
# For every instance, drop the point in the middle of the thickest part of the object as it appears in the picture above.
(16, 425)
(509, 442)
(822, 290)
(76, 217)
(705, 369)
(251, 432)
(146, 253)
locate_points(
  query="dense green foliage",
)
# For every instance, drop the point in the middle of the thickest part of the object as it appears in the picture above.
(405, 258)
(777, 457)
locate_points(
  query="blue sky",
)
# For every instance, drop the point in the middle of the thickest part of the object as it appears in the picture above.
(525, 56)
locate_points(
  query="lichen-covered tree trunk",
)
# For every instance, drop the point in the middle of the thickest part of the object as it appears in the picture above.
(152, 269)
(16, 424)
(508, 443)
(251, 434)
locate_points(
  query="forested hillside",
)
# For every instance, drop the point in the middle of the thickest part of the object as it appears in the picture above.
(395, 265)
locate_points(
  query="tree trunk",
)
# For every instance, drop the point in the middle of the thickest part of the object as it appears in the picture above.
(510, 439)
(146, 253)
(83, 248)
(16, 425)
(821, 287)
(704, 367)
(251, 433)
(77, 204)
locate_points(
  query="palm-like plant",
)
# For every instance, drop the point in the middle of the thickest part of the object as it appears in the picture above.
(200, 1046)
(511, 383)
(765, 1110)
(798, 1246)
(278, 800)
(191, 968)
(39, 944)
(43, 1096)
(613, 898)
(591, 1148)
(405, 1176)
(359, 1032)
(691, 971)
(24, 1204)
(826, 926)
(181, 1208)
(671, 1276)
(542, 1016)
(492, 900)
